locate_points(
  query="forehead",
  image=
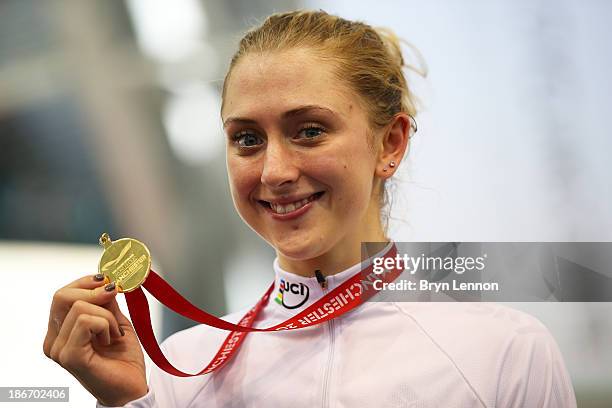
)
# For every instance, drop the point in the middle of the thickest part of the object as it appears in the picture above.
(277, 81)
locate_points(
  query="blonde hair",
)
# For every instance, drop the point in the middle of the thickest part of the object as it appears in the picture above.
(368, 59)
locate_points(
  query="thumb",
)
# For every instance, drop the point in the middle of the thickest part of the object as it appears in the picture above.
(122, 319)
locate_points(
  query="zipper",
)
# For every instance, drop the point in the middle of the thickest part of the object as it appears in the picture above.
(330, 361)
(332, 338)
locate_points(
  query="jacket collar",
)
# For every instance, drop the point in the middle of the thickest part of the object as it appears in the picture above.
(293, 293)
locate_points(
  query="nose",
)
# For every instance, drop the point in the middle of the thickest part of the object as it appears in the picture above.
(279, 167)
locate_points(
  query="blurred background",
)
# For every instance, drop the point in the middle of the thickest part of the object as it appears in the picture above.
(109, 121)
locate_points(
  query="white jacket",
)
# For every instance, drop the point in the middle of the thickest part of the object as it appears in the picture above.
(387, 354)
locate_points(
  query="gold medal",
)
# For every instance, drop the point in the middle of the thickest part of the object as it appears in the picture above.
(125, 261)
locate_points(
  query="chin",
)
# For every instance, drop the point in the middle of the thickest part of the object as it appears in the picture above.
(298, 249)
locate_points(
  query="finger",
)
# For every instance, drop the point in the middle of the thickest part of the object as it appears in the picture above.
(81, 308)
(86, 326)
(62, 303)
(113, 306)
(124, 322)
(66, 296)
(88, 282)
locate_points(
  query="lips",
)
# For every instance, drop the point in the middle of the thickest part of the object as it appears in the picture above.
(290, 207)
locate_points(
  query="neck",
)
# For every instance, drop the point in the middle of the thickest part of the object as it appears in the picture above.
(344, 254)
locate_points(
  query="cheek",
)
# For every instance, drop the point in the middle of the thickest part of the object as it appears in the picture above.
(347, 173)
(243, 178)
(357, 171)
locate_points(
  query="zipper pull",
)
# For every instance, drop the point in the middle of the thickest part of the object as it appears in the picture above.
(321, 278)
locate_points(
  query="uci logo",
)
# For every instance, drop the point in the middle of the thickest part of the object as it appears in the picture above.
(292, 295)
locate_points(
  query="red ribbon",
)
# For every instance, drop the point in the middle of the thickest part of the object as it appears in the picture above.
(337, 302)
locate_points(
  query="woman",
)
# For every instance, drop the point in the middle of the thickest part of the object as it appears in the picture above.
(317, 115)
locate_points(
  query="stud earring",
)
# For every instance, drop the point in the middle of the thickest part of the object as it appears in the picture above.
(385, 168)
(392, 164)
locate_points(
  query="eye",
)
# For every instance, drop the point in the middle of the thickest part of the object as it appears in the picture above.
(311, 131)
(246, 139)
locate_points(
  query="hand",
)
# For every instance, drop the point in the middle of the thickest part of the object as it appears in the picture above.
(90, 337)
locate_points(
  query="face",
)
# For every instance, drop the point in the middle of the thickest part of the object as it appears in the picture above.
(300, 169)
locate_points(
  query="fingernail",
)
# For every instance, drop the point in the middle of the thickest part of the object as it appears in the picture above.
(121, 331)
(110, 287)
(99, 277)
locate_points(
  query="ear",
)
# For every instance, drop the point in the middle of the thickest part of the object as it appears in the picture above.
(393, 145)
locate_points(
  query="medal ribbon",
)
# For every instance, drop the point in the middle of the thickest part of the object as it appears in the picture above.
(337, 302)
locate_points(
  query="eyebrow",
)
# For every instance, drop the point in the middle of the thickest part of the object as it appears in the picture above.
(289, 114)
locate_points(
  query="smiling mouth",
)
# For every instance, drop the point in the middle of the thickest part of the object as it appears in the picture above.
(287, 208)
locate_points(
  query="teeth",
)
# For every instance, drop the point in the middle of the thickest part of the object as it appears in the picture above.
(282, 209)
